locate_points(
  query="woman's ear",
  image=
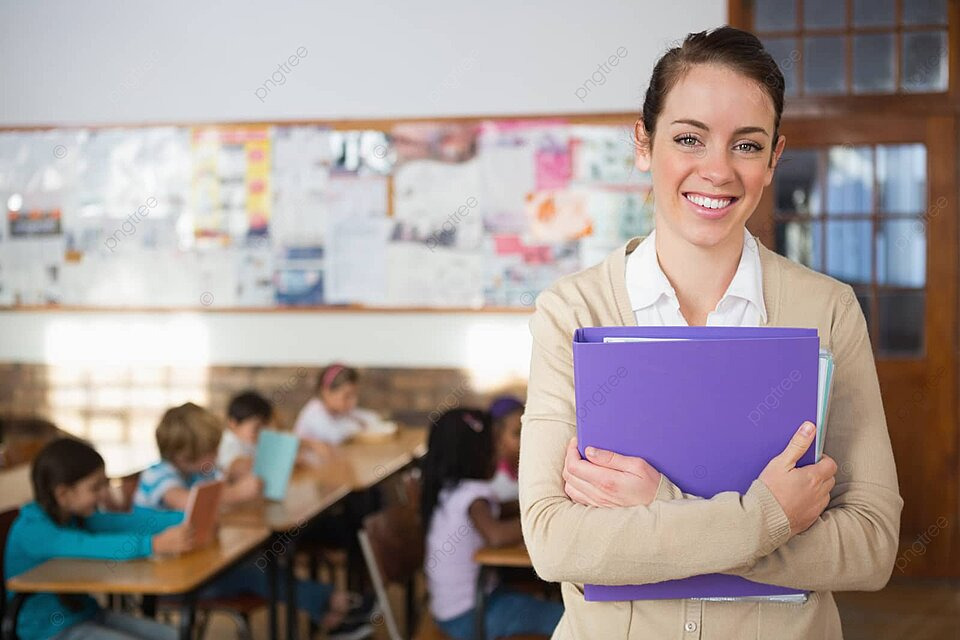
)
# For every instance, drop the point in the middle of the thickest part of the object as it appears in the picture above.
(775, 160)
(642, 147)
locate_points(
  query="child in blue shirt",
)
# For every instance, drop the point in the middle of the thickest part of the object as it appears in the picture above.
(188, 437)
(69, 483)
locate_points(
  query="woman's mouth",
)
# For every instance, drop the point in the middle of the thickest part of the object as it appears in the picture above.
(710, 207)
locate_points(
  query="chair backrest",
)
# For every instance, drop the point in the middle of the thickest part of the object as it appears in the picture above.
(6, 521)
(392, 544)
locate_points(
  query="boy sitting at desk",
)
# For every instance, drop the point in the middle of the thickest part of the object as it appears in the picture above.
(247, 414)
(188, 437)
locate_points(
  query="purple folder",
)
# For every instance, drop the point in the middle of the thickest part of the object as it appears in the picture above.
(708, 411)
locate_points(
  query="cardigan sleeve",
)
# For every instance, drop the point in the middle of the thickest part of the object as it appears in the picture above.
(668, 539)
(854, 543)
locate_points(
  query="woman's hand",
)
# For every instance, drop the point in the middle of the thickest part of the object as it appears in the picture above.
(607, 479)
(803, 492)
(173, 540)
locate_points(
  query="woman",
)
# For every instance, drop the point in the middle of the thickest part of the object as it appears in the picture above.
(709, 134)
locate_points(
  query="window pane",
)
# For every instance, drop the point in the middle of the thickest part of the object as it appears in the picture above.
(824, 13)
(801, 242)
(925, 12)
(849, 180)
(849, 246)
(787, 56)
(873, 13)
(874, 63)
(924, 66)
(901, 322)
(797, 188)
(823, 65)
(902, 253)
(902, 178)
(775, 15)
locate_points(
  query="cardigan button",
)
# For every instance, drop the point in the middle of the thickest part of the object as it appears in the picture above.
(690, 626)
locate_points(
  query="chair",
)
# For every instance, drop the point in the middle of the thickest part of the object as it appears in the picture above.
(391, 541)
(237, 608)
(8, 629)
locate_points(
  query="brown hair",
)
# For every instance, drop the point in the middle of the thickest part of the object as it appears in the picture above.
(738, 50)
(334, 376)
(189, 431)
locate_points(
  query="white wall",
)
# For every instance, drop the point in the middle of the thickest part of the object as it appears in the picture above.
(66, 62)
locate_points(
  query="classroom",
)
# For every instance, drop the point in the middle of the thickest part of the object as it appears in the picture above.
(458, 321)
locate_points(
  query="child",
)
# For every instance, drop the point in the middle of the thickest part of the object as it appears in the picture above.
(332, 416)
(505, 411)
(63, 522)
(247, 414)
(188, 437)
(461, 514)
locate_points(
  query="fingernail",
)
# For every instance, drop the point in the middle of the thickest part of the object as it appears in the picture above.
(807, 428)
(591, 452)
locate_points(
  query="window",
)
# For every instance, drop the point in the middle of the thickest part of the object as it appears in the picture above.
(856, 47)
(859, 214)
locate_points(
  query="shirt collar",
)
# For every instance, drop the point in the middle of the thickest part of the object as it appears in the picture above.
(646, 282)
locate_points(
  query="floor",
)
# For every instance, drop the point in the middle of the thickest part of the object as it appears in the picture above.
(905, 610)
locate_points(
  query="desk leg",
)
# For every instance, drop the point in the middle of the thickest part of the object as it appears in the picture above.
(480, 610)
(188, 613)
(272, 584)
(149, 606)
(290, 553)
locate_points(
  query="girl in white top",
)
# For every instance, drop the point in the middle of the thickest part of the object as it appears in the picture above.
(332, 416)
(461, 514)
(505, 412)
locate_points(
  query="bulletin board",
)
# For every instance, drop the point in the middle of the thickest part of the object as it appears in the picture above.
(478, 213)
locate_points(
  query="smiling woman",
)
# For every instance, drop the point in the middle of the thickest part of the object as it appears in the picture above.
(712, 146)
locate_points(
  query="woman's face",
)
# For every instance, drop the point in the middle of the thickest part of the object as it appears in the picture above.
(712, 141)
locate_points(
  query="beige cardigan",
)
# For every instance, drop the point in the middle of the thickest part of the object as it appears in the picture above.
(851, 547)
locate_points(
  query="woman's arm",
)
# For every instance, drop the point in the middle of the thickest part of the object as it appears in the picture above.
(569, 542)
(854, 544)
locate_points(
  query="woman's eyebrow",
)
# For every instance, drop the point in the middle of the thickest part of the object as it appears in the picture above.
(739, 132)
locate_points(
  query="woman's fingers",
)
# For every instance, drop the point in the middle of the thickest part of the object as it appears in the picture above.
(587, 492)
(627, 464)
(578, 496)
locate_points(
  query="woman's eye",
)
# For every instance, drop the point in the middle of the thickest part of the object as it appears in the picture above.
(686, 141)
(748, 146)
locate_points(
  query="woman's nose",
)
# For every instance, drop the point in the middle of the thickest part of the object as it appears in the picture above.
(715, 166)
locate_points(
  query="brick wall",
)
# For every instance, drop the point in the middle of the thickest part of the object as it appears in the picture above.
(124, 404)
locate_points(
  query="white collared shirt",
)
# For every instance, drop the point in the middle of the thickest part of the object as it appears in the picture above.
(655, 302)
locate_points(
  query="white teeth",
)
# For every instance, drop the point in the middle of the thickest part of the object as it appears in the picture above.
(709, 203)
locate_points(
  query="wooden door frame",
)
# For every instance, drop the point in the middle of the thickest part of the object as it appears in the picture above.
(932, 508)
(930, 540)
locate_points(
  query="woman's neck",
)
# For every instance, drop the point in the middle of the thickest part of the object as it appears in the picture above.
(700, 276)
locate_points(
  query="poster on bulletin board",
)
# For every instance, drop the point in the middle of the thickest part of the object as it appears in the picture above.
(422, 214)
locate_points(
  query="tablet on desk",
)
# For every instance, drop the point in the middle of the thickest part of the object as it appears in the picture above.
(203, 508)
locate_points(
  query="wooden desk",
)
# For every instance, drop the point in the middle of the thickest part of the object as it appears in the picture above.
(488, 557)
(307, 496)
(515, 556)
(361, 465)
(170, 575)
(15, 487)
